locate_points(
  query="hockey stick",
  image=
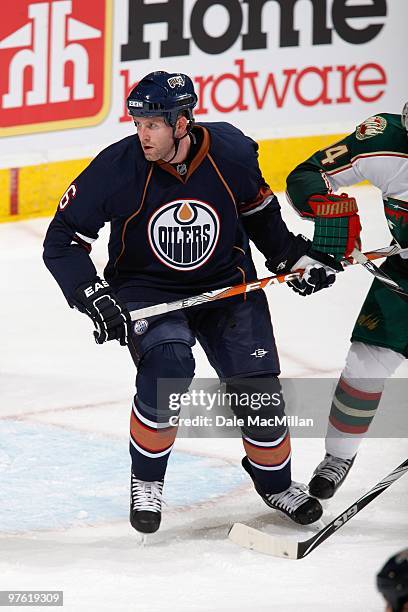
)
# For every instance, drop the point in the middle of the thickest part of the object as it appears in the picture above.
(226, 292)
(391, 284)
(289, 548)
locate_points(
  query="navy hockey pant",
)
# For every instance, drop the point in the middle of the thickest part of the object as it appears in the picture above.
(238, 340)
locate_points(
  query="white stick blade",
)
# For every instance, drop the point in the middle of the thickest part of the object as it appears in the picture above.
(251, 538)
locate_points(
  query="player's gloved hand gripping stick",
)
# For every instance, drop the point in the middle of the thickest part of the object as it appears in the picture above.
(319, 272)
(336, 224)
(110, 317)
(226, 292)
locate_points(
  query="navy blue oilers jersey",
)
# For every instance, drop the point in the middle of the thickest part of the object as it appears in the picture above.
(172, 234)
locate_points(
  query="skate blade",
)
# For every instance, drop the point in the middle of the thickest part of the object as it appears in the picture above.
(142, 540)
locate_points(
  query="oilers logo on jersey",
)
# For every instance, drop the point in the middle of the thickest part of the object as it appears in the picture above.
(183, 233)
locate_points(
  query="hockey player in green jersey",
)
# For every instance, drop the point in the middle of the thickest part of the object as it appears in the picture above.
(376, 151)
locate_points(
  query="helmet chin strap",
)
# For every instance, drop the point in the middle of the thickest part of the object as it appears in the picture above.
(176, 146)
(177, 140)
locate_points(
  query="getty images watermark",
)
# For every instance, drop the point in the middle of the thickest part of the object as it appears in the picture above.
(260, 409)
(207, 408)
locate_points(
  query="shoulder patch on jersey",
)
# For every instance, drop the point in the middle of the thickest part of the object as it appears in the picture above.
(371, 127)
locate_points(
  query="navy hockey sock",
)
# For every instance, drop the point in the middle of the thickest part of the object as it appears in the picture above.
(151, 442)
(270, 462)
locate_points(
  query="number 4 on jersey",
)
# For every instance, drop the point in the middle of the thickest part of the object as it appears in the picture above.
(333, 153)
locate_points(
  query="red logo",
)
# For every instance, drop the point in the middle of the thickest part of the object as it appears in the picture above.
(54, 64)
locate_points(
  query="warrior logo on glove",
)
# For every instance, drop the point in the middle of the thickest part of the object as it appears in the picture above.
(336, 224)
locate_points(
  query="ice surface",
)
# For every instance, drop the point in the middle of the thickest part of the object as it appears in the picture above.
(64, 467)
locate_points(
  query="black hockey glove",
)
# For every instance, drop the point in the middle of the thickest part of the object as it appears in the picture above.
(319, 268)
(314, 278)
(109, 315)
(319, 272)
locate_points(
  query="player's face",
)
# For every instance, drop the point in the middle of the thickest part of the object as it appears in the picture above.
(156, 137)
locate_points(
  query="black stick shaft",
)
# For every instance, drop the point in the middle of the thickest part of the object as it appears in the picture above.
(306, 547)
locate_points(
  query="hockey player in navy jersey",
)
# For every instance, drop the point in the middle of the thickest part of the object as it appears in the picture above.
(183, 200)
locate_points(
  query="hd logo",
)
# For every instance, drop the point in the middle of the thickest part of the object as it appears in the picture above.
(54, 64)
(183, 234)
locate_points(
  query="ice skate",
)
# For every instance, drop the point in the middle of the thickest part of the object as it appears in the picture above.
(145, 504)
(294, 502)
(329, 475)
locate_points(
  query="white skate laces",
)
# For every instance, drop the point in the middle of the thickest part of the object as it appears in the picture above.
(333, 468)
(146, 495)
(291, 499)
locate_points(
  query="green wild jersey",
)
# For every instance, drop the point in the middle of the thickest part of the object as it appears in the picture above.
(376, 151)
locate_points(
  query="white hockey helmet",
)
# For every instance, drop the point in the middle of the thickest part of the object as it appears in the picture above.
(404, 116)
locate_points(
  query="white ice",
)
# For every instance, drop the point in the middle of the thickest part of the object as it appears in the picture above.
(64, 464)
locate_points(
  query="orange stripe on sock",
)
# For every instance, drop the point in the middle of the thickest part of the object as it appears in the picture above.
(268, 455)
(152, 440)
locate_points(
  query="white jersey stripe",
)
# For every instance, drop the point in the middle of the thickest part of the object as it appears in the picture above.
(261, 206)
(85, 238)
